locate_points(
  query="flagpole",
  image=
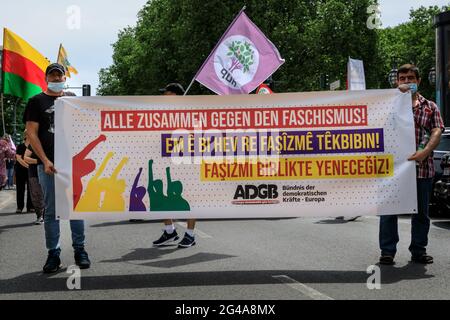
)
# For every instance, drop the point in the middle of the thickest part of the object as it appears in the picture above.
(57, 60)
(59, 51)
(2, 83)
(217, 44)
(3, 114)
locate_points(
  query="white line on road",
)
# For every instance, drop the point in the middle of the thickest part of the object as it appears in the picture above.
(308, 291)
(198, 232)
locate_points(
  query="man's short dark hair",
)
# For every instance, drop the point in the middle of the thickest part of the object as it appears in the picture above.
(407, 68)
(53, 67)
(173, 87)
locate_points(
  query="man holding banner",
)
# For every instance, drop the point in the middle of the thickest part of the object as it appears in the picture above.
(428, 128)
(39, 117)
(170, 234)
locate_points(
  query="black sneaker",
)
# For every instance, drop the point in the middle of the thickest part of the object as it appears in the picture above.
(82, 259)
(166, 238)
(187, 241)
(387, 260)
(423, 259)
(53, 263)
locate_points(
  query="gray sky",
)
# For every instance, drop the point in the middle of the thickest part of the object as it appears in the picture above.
(45, 24)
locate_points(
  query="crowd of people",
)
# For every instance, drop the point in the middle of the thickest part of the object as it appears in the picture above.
(7, 161)
(16, 173)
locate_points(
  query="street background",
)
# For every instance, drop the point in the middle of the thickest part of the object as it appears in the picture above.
(280, 259)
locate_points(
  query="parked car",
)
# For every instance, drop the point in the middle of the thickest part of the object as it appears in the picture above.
(440, 198)
(441, 150)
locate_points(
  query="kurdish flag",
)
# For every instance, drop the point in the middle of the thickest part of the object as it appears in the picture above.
(242, 59)
(23, 67)
(63, 60)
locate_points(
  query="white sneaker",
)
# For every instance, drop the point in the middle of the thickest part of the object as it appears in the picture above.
(39, 221)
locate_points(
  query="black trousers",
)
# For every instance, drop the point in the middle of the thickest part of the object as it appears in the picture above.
(35, 189)
(21, 185)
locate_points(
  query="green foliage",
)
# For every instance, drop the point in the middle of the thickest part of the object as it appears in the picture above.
(173, 38)
(117, 79)
(10, 103)
(411, 42)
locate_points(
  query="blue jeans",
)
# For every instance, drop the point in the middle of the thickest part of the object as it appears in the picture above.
(420, 224)
(52, 230)
(10, 177)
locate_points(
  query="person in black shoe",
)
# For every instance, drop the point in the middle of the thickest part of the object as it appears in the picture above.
(7, 160)
(166, 238)
(39, 118)
(428, 130)
(188, 241)
(21, 169)
(53, 263)
(170, 234)
(10, 172)
(34, 187)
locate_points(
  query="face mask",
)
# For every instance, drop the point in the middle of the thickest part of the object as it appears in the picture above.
(413, 87)
(56, 86)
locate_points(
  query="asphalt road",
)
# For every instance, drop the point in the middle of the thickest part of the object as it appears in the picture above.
(289, 259)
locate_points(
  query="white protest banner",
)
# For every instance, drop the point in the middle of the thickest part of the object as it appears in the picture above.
(335, 85)
(355, 74)
(247, 156)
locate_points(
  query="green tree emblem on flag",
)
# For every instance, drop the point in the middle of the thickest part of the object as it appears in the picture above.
(242, 56)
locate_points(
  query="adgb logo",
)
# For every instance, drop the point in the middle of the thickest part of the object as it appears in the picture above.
(236, 61)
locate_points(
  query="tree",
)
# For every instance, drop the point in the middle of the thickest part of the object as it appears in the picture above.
(173, 38)
(411, 42)
(338, 32)
(119, 78)
(10, 103)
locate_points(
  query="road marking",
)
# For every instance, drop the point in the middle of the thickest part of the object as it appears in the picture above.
(6, 202)
(198, 232)
(308, 291)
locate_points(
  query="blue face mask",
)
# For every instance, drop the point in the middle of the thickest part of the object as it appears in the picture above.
(413, 87)
(56, 86)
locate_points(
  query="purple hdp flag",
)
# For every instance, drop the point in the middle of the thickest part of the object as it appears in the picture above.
(242, 60)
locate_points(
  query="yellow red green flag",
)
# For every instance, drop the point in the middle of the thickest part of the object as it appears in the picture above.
(23, 67)
(63, 60)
